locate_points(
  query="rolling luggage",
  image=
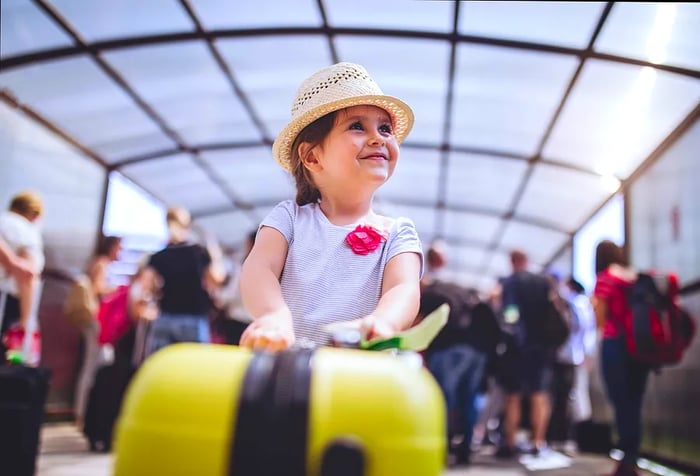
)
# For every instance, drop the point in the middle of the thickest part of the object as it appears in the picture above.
(23, 393)
(224, 410)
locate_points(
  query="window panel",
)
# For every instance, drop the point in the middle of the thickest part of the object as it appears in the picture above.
(482, 182)
(253, 174)
(504, 99)
(186, 87)
(539, 243)
(392, 14)
(423, 217)
(178, 180)
(471, 227)
(272, 84)
(665, 33)
(532, 21)
(415, 178)
(231, 228)
(422, 85)
(79, 98)
(625, 111)
(24, 28)
(221, 14)
(125, 18)
(562, 197)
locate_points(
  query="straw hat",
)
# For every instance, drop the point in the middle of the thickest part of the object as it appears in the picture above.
(330, 89)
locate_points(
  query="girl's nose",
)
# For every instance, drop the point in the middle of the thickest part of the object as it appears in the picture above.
(376, 139)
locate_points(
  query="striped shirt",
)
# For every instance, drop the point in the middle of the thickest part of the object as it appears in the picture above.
(323, 280)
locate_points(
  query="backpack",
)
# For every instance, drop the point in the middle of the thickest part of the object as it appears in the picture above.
(557, 322)
(81, 303)
(657, 330)
(113, 316)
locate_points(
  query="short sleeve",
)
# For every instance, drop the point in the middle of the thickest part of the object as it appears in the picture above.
(604, 286)
(404, 239)
(281, 218)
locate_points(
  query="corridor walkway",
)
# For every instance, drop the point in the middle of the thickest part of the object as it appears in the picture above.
(64, 453)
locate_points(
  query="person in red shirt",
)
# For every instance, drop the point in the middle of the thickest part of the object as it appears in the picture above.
(625, 378)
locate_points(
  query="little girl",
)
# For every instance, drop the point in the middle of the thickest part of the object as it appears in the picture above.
(328, 257)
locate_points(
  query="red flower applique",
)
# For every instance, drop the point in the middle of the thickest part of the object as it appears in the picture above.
(364, 239)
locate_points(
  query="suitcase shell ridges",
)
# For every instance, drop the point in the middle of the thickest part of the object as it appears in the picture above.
(180, 412)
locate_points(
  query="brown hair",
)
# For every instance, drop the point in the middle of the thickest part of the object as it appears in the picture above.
(314, 133)
(107, 243)
(28, 204)
(607, 253)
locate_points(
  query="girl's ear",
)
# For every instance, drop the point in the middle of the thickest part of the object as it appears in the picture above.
(307, 154)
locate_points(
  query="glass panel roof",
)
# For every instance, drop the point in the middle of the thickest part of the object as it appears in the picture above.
(230, 228)
(482, 182)
(510, 147)
(391, 14)
(251, 174)
(183, 83)
(24, 28)
(625, 111)
(126, 18)
(532, 21)
(667, 33)
(505, 98)
(425, 91)
(76, 94)
(221, 14)
(563, 197)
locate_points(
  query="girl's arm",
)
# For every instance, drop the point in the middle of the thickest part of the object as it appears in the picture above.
(262, 295)
(400, 301)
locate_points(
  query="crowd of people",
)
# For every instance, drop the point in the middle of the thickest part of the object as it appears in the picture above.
(327, 256)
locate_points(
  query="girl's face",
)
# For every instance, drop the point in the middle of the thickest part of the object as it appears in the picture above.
(360, 147)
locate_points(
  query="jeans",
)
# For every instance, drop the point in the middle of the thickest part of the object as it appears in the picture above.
(458, 371)
(625, 380)
(171, 328)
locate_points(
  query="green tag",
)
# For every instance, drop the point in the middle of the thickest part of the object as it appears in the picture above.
(417, 338)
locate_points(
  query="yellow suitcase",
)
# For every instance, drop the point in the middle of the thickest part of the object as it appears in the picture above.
(200, 410)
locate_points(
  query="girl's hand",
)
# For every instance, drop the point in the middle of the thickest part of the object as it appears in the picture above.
(371, 328)
(272, 332)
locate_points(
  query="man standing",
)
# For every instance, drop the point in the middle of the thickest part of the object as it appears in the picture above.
(525, 302)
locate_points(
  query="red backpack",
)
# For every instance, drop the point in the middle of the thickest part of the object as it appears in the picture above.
(113, 316)
(657, 329)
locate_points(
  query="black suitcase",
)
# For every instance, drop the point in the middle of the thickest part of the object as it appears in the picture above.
(107, 392)
(23, 393)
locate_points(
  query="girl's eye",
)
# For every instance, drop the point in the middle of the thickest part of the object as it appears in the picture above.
(357, 125)
(385, 128)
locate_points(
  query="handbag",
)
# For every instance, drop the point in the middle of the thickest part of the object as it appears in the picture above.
(81, 304)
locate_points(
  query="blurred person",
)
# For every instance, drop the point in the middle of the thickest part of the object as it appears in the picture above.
(570, 393)
(16, 266)
(23, 260)
(625, 378)
(233, 318)
(328, 257)
(96, 272)
(459, 354)
(187, 271)
(525, 299)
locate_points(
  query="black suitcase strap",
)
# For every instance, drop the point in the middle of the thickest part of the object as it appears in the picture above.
(270, 436)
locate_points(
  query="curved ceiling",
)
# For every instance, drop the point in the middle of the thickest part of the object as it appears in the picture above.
(529, 115)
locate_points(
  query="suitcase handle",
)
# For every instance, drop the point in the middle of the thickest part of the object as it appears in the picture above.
(343, 458)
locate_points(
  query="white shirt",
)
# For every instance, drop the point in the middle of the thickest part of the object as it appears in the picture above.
(20, 235)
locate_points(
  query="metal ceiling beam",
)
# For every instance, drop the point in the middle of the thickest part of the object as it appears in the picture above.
(685, 125)
(414, 204)
(62, 23)
(550, 127)
(326, 27)
(136, 41)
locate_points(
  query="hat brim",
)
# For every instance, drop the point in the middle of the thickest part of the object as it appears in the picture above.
(401, 116)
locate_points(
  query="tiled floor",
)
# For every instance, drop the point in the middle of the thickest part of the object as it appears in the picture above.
(64, 452)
